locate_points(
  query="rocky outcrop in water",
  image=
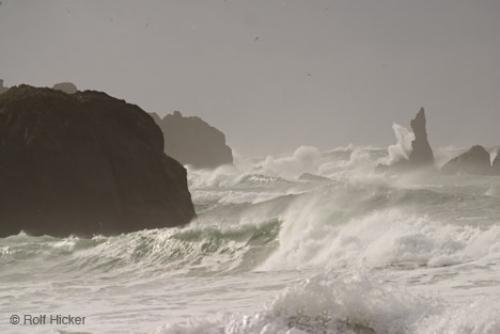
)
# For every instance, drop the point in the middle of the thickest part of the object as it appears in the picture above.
(67, 87)
(475, 161)
(421, 154)
(192, 141)
(84, 164)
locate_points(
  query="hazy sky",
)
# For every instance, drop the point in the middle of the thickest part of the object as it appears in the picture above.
(274, 74)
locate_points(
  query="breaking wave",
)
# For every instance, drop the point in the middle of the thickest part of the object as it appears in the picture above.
(367, 251)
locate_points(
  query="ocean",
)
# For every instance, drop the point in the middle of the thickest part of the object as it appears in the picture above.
(310, 242)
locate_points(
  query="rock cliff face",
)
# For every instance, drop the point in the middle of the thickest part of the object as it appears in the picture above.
(67, 87)
(475, 161)
(421, 154)
(192, 141)
(84, 164)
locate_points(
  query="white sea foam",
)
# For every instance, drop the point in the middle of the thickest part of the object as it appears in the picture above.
(402, 149)
(361, 252)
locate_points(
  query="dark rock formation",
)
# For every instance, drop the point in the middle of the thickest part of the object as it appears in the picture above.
(192, 141)
(67, 87)
(475, 161)
(421, 154)
(2, 88)
(84, 164)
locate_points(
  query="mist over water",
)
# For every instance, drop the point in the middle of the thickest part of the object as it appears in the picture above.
(340, 249)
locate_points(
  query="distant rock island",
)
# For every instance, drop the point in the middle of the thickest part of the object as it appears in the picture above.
(192, 141)
(84, 164)
(67, 87)
(475, 161)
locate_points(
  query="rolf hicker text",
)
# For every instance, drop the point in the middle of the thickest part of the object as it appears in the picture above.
(47, 319)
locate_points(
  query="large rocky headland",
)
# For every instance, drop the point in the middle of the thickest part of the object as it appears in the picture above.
(84, 163)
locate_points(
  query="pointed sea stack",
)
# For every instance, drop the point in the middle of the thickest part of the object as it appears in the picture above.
(475, 161)
(84, 164)
(421, 154)
(193, 141)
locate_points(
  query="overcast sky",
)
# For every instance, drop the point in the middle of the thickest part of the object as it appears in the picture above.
(274, 74)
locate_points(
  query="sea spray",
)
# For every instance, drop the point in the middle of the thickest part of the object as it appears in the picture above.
(358, 252)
